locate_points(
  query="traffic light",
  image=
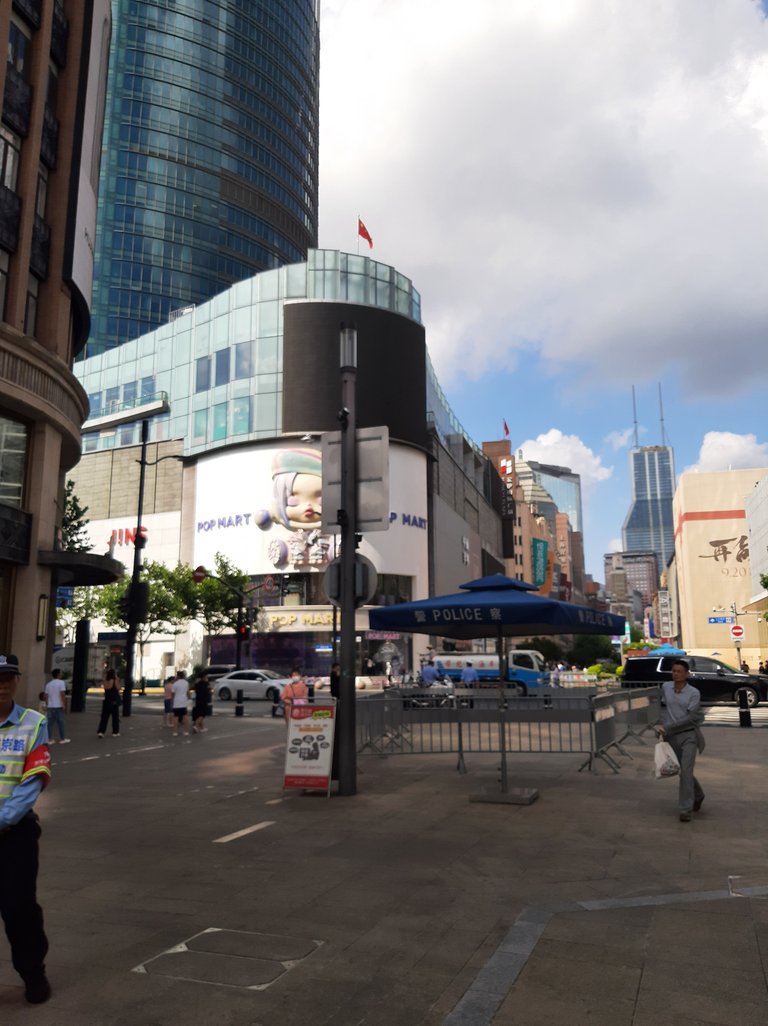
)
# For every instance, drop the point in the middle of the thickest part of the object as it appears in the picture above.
(134, 602)
(244, 631)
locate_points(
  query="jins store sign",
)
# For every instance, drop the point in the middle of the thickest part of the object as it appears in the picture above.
(126, 536)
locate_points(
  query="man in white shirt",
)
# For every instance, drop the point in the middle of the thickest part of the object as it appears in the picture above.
(180, 697)
(55, 700)
(681, 719)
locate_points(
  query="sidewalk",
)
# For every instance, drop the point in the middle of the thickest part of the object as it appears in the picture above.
(180, 885)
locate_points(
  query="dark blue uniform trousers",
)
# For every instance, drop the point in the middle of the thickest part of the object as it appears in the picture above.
(21, 914)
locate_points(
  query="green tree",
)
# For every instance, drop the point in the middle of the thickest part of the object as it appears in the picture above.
(85, 604)
(550, 649)
(764, 583)
(588, 648)
(166, 607)
(214, 602)
(74, 523)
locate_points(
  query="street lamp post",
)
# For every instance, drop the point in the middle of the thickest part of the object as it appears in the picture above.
(347, 519)
(134, 587)
(138, 545)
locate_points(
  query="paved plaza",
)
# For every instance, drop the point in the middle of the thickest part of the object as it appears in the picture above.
(180, 885)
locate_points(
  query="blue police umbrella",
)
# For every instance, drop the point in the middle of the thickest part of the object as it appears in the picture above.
(667, 649)
(494, 606)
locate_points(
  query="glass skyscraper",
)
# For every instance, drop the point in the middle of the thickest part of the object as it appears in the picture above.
(649, 526)
(210, 149)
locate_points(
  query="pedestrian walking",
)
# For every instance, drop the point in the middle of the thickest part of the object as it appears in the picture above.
(168, 717)
(681, 719)
(295, 691)
(335, 680)
(25, 769)
(180, 690)
(56, 701)
(110, 706)
(202, 688)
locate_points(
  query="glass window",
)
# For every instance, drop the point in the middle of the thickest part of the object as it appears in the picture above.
(148, 387)
(241, 416)
(30, 314)
(200, 425)
(130, 389)
(3, 281)
(222, 367)
(10, 148)
(243, 360)
(94, 400)
(90, 441)
(42, 191)
(112, 399)
(13, 451)
(128, 434)
(18, 48)
(219, 422)
(203, 374)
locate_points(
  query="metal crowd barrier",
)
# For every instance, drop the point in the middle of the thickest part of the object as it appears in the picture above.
(422, 721)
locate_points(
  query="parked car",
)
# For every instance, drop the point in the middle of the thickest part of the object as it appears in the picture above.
(716, 680)
(254, 683)
(217, 670)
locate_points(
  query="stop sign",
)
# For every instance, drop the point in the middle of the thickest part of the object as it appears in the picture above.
(737, 632)
(199, 574)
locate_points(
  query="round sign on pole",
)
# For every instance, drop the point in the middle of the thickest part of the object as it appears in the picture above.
(737, 632)
(199, 574)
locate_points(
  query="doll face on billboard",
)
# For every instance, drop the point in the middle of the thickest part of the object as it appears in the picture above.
(304, 504)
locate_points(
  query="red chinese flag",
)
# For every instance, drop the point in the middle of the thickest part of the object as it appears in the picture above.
(506, 430)
(362, 231)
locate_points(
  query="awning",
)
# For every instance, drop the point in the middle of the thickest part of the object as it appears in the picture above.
(78, 569)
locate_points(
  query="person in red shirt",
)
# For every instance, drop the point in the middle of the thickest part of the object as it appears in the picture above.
(296, 691)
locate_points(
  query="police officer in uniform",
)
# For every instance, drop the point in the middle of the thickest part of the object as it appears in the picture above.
(25, 769)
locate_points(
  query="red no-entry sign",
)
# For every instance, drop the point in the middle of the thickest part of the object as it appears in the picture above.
(737, 632)
(199, 574)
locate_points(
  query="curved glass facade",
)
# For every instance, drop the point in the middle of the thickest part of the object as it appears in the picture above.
(221, 364)
(209, 172)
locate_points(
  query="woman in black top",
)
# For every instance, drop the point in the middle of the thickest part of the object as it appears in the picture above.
(202, 700)
(111, 704)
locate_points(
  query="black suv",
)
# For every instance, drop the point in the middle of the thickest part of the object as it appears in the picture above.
(716, 681)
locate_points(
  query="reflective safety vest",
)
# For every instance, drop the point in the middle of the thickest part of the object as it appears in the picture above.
(18, 761)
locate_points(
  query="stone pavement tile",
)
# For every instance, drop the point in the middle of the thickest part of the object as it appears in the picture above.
(622, 930)
(675, 985)
(560, 991)
(720, 943)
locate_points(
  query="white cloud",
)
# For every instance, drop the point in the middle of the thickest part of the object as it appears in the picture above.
(615, 545)
(577, 176)
(619, 439)
(566, 451)
(724, 450)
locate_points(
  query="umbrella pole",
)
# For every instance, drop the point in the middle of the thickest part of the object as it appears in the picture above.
(502, 723)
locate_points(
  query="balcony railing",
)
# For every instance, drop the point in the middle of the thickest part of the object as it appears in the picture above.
(10, 215)
(17, 101)
(49, 143)
(59, 35)
(30, 10)
(41, 244)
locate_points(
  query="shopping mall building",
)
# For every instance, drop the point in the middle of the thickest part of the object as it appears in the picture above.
(249, 382)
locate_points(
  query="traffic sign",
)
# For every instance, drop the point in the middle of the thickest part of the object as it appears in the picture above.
(737, 632)
(199, 574)
(721, 619)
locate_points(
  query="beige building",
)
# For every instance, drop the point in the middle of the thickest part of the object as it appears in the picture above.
(51, 85)
(712, 563)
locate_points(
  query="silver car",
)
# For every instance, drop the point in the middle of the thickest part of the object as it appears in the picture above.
(254, 683)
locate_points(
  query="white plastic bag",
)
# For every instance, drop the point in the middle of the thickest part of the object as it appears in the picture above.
(665, 760)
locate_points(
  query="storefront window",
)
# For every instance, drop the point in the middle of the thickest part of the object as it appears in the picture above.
(13, 451)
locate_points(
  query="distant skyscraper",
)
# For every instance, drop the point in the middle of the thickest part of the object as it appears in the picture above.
(649, 525)
(209, 169)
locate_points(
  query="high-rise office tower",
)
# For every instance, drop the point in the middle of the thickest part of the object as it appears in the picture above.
(210, 148)
(649, 526)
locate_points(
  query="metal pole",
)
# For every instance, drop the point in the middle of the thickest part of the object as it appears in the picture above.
(239, 639)
(138, 545)
(347, 518)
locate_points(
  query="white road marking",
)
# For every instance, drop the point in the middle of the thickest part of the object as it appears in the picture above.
(242, 833)
(275, 801)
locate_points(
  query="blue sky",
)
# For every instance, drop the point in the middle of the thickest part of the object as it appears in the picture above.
(579, 190)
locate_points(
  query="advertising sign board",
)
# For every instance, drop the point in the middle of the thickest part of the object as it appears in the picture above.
(309, 746)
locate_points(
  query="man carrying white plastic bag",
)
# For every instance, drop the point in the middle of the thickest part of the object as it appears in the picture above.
(665, 760)
(681, 719)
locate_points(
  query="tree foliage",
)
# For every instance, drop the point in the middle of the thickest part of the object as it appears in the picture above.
(85, 605)
(166, 607)
(589, 648)
(74, 523)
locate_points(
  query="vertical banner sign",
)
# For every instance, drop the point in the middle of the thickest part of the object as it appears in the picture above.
(539, 547)
(309, 746)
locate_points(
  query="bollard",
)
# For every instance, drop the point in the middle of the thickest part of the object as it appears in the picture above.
(745, 716)
(239, 711)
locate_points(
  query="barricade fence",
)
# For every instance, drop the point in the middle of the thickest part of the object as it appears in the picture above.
(423, 721)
